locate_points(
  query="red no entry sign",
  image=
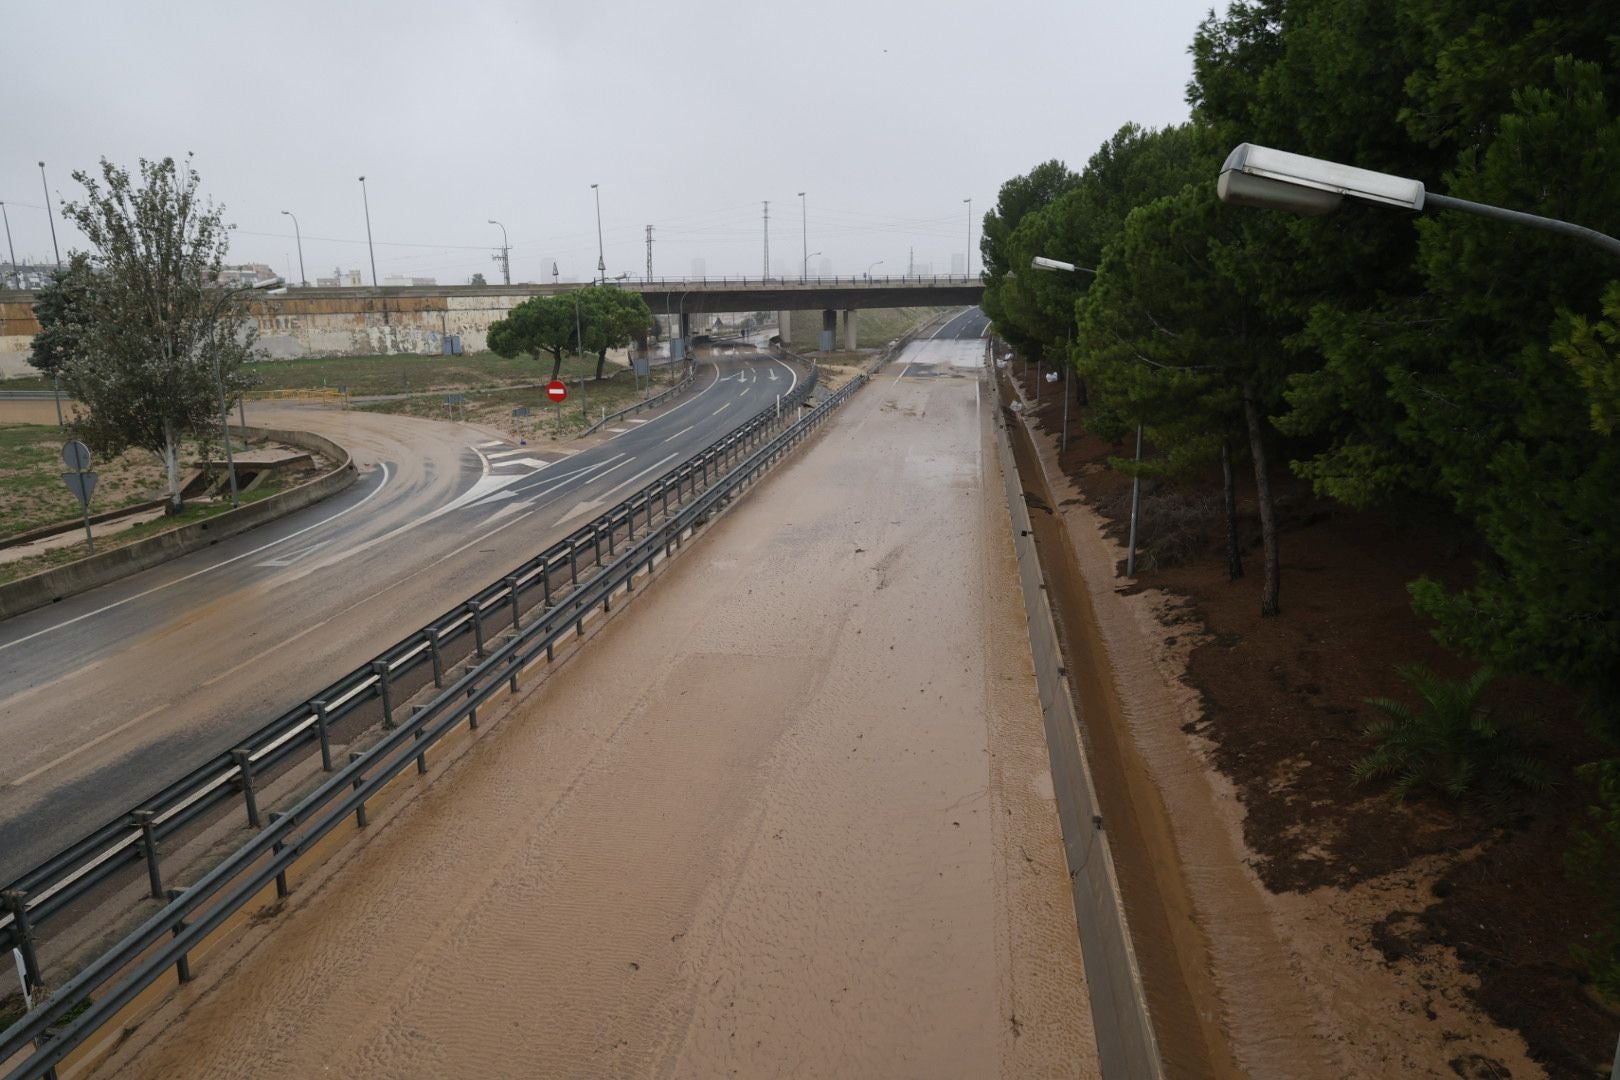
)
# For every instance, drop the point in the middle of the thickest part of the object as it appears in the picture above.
(556, 391)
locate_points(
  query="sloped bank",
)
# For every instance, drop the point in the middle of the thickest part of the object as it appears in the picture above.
(58, 583)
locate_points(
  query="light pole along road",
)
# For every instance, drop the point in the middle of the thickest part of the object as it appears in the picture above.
(106, 696)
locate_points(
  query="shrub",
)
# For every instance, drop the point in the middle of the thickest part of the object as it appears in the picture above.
(1594, 858)
(1454, 745)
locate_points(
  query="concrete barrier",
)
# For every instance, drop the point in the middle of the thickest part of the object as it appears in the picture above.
(47, 587)
(1126, 1044)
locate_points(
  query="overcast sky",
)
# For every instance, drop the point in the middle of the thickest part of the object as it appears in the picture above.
(888, 113)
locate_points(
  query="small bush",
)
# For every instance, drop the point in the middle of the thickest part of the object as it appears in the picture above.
(1594, 857)
(1454, 745)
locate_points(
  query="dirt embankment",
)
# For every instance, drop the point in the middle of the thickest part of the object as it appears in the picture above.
(813, 833)
(1342, 934)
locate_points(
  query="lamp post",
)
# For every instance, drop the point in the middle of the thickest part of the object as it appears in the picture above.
(16, 274)
(366, 199)
(49, 215)
(967, 263)
(1040, 263)
(299, 236)
(804, 237)
(1278, 180)
(506, 254)
(869, 269)
(601, 258)
(807, 259)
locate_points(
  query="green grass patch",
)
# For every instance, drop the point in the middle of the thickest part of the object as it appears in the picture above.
(398, 374)
(873, 329)
(32, 493)
(192, 512)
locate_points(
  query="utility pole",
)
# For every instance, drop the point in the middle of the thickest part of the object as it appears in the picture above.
(911, 261)
(601, 259)
(50, 214)
(767, 274)
(967, 262)
(649, 252)
(505, 257)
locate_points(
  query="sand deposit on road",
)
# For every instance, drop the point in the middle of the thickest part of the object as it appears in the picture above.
(789, 815)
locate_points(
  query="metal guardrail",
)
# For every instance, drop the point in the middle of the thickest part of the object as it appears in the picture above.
(651, 403)
(27, 395)
(552, 581)
(318, 394)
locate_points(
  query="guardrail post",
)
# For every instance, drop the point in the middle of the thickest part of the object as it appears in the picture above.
(275, 849)
(380, 669)
(421, 734)
(472, 713)
(182, 966)
(476, 612)
(511, 584)
(573, 564)
(596, 544)
(323, 734)
(154, 878)
(244, 765)
(16, 902)
(438, 661)
(360, 818)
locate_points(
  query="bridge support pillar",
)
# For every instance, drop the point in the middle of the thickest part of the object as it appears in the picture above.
(784, 326)
(682, 346)
(849, 329)
(829, 329)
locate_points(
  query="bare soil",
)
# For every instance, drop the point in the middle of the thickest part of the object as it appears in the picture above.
(1427, 931)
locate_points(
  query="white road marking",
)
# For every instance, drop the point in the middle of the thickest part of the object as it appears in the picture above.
(642, 420)
(903, 371)
(617, 430)
(721, 409)
(509, 453)
(586, 506)
(207, 569)
(681, 432)
(82, 747)
(488, 445)
(526, 462)
(293, 556)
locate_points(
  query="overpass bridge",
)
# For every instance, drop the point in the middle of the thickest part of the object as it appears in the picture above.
(362, 320)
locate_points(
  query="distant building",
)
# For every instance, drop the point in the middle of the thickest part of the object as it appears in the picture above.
(399, 279)
(244, 274)
(26, 275)
(341, 279)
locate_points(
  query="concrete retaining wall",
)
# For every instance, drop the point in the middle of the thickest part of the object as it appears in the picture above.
(1126, 1045)
(28, 593)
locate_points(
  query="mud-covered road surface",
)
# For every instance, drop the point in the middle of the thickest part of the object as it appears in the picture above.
(789, 814)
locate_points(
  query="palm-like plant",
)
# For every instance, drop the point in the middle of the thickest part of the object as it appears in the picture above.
(1454, 744)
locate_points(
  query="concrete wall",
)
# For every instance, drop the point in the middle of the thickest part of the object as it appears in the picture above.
(37, 590)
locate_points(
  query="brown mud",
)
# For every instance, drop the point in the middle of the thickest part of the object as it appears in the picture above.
(791, 816)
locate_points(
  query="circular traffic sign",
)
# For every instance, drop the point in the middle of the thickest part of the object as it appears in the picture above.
(76, 456)
(556, 391)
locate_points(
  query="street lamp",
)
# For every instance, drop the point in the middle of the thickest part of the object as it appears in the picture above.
(804, 237)
(1042, 263)
(16, 274)
(299, 236)
(1277, 180)
(869, 269)
(506, 253)
(967, 263)
(807, 259)
(46, 188)
(367, 200)
(601, 259)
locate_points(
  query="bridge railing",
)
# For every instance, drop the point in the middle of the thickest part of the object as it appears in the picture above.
(795, 281)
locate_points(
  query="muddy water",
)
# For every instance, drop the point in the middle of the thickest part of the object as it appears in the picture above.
(790, 817)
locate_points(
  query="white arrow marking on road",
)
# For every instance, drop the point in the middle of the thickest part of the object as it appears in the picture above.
(592, 504)
(527, 462)
(507, 454)
(772, 374)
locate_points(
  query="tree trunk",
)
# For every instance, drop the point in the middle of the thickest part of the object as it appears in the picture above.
(1271, 586)
(1234, 556)
(171, 466)
(601, 362)
(556, 365)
